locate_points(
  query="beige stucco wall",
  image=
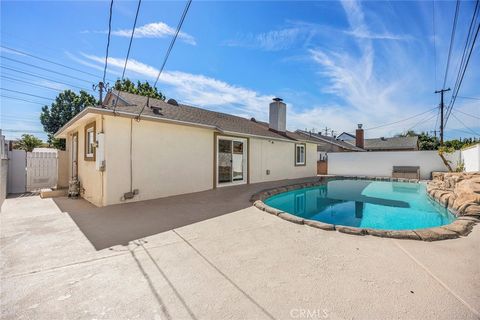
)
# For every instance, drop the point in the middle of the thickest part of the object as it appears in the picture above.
(63, 173)
(167, 159)
(279, 158)
(91, 180)
(170, 159)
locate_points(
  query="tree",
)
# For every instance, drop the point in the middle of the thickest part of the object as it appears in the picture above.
(142, 88)
(67, 104)
(28, 143)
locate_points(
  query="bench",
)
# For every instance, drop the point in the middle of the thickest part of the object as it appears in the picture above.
(407, 172)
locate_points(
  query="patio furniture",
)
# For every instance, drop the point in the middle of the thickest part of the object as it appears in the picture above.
(406, 172)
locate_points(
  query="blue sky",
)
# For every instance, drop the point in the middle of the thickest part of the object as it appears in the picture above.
(335, 64)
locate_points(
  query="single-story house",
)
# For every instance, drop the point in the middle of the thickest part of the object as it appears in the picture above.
(137, 151)
(347, 142)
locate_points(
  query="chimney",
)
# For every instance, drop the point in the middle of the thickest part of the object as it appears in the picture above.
(359, 137)
(278, 115)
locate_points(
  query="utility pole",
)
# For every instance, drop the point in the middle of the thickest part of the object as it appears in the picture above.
(326, 131)
(100, 87)
(442, 106)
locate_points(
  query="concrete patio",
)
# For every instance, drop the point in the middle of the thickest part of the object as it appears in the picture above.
(210, 255)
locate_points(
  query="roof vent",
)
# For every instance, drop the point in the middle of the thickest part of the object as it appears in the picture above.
(173, 102)
(253, 119)
(156, 110)
(383, 138)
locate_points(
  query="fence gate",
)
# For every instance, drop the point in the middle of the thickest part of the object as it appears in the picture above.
(42, 170)
(16, 171)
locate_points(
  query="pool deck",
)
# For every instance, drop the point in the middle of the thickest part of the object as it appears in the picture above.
(220, 262)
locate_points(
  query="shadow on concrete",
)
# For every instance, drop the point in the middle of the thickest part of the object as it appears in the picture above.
(119, 224)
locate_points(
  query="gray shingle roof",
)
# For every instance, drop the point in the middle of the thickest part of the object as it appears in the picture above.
(332, 140)
(195, 115)
(395, 143)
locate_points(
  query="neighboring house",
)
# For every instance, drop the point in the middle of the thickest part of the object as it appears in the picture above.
(173, 149)
(326, 144)
(345, 136)
(392, 144)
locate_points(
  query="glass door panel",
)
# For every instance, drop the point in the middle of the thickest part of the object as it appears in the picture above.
(224, 161)
(237, 161)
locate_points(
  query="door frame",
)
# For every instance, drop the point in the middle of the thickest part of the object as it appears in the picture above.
(75, 135)
(246, 180)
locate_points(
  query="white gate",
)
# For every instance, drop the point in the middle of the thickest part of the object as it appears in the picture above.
(16, 171)
(42, 170)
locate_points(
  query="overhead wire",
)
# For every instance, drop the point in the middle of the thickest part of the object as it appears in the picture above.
(167, 54)
(466, 127)
(108, 41)
(48, 60)
(402, 120)
(27, 94)
(20, 99)
(128, 53)
(452, 39)
(31, 83)
(454, 94)
(42, 77)
(45, 69)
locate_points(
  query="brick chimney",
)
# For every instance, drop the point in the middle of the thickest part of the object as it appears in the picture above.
(278, 115)
(359, 137)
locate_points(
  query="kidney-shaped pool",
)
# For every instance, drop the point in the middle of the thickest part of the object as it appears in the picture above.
(384, 205)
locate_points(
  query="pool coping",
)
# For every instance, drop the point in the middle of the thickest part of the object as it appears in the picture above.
(462, 225)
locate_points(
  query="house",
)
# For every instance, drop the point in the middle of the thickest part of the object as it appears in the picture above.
(327, 143)
(137, 151)
(347, 142)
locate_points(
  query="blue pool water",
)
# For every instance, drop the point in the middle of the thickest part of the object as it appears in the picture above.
(365, 204)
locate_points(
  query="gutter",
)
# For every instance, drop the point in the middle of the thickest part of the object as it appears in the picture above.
(102, 111)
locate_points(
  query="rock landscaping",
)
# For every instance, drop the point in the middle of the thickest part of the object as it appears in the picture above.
(459, 192)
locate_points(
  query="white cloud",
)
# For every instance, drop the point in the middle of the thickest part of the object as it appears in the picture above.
(155, 30)
(297, 32)
(198, 89)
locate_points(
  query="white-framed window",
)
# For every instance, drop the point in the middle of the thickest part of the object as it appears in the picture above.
(90, 142)
(299, 154)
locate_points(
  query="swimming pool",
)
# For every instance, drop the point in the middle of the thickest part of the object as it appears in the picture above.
(383, 205)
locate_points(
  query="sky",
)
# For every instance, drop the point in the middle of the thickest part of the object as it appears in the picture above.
(335, 64)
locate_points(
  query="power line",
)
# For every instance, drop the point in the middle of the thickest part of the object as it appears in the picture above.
(41, 77)
(32, 84)
(470, 98)
(454, 94)
(180, 23)
(424, 120)
(452, 38)
(467, 114)
(22, 130)
(108, 40)
(49, 61)
(128, 52)
(466, 127)
(20, 99)
(463, 61)
(27, 94)
(169, 50)
(434, 42)
(45, 69)
(402, 120)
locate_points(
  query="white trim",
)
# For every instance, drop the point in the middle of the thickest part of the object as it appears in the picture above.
(302, 146)
(244, 162)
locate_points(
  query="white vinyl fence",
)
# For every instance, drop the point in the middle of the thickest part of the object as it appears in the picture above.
(471, 158)
(381, 163)
(42, 170)
(29, 171)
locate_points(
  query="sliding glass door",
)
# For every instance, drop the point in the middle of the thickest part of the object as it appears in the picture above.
(231, 161)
